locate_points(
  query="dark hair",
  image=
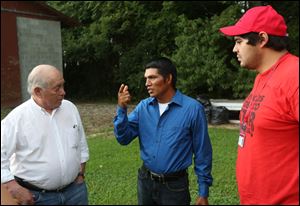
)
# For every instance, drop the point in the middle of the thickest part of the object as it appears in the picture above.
(277, 43)
(165, 67)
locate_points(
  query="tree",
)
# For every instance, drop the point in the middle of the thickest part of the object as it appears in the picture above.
(118, 37)
(204, 58)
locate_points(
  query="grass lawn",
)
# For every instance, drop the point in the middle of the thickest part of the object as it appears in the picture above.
(112, 170)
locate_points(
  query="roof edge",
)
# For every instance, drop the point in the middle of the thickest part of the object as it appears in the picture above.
(65, 20)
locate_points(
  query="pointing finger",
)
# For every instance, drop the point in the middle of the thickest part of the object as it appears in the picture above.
(125, 88)
(121, 88)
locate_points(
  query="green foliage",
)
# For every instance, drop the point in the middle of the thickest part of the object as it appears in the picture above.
(155, 35)
(117, 38)
(111, 172)
(203, 57)
(290, 11)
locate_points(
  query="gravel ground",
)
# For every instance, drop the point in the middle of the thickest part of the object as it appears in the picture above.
(97, 117)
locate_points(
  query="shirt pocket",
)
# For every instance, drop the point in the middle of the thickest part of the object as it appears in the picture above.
(73, 139)
(175, 136)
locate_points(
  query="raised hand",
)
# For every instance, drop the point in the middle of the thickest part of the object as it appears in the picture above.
(123, 96)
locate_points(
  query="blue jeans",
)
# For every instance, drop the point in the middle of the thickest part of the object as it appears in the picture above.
(75, 194)
(151, 192)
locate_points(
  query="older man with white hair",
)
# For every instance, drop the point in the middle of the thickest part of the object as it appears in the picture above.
(43, 145)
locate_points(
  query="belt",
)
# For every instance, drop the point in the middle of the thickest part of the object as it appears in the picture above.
(35, 188)
(162, 178)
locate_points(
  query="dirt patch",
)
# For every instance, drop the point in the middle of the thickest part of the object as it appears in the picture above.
(227, 126)
(97, 117)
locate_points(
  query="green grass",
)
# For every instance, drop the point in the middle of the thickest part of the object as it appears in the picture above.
(112, 170)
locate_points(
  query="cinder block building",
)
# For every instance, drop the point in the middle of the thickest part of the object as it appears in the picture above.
(30, 35)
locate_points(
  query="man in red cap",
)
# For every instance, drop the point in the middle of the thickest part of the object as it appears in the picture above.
(267, 166)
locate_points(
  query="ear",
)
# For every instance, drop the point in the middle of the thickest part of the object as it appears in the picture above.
(37, 91)
(263, 38)
(169, 79)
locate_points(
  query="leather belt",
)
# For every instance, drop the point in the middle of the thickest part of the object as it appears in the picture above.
(29, 186)
(162, 178)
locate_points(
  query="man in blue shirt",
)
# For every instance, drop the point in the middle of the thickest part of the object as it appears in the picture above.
(171, 128)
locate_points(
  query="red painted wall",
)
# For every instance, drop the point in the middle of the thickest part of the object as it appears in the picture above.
(10, 68)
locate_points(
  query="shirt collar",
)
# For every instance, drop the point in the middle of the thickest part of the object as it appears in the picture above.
(176, 99)
(37, 107)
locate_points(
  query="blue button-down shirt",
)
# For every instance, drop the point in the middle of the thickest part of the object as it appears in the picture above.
(168, 142)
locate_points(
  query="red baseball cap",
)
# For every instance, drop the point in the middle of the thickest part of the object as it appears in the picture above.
(257, 19)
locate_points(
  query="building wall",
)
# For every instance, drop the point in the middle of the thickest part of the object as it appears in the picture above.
(10, 68)
(39, 42)
(30, 35)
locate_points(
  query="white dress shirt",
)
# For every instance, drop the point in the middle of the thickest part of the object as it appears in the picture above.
(45, 150)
